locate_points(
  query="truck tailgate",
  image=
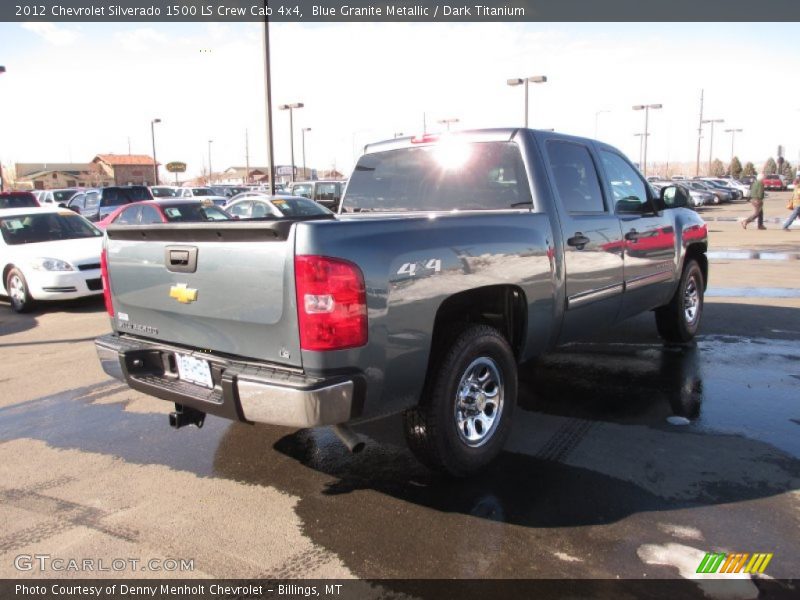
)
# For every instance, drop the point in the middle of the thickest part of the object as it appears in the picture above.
(227, 288)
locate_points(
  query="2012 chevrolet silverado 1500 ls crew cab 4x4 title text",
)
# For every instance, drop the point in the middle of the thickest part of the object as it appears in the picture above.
(453, 259)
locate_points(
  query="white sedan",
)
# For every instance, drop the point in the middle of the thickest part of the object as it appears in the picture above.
(48, 254)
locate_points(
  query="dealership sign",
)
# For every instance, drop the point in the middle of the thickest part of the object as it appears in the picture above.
(176, 167)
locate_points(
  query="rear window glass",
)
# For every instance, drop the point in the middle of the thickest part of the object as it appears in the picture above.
(45, 227)
(299, 207)
(194, 213)
(17, 201)
(451, 175)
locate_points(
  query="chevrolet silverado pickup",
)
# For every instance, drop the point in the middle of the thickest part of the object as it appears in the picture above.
(452, 261)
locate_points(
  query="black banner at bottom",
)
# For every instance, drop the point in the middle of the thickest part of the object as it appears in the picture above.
(713, 586)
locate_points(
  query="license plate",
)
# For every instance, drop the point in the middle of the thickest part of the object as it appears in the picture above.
(194, 370)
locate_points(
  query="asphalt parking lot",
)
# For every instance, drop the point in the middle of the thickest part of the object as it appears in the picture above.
(628, 459)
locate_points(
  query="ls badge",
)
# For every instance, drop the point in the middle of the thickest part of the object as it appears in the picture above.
(183, 294)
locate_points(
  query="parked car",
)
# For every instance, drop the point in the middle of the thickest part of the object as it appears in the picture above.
(58, 197)
(165, 210)
(742, 187)
(228, 191)
(774, 182)
(276, 207)
(201, 193)
(698, 197)
(327, 193)
(735, 193)
(97, 204)
(747, 180)
(703, 186)
(450, 263)
(48, 254)
(17, 200)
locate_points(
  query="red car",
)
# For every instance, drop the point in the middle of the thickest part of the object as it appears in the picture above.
(773, 182)
(18, 200)
(166, 210)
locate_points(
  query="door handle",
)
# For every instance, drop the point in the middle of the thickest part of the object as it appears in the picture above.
(632, 235)
(578, 240)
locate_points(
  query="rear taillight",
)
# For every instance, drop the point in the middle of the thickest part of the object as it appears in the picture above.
(106, 284)
(331, 303)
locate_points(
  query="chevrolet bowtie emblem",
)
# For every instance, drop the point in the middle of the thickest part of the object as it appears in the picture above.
(183, 294)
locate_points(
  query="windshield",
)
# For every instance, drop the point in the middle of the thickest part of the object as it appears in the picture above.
(63, 195)
(46, 227)
(203, 192)
(17, 201)
(450, 175)
(163, 192)
(193, 213)
(138, 192)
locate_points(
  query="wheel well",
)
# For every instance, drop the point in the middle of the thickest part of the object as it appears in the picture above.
(5, 276)
(500, 306)
(698, 252)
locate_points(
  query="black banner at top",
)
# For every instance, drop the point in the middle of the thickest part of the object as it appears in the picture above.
(457, 11)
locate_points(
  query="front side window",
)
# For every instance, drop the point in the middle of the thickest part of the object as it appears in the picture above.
(447, 176)
(575, 177)
(240, 209)
(92, 200)
(129, 216)
(628, 189)
(303, 189)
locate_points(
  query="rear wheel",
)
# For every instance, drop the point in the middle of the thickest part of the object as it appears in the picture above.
(464, 417)
(18, 294)
(678, 321)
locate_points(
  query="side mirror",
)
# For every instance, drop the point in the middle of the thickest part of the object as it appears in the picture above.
(75, 208)
(674, 196)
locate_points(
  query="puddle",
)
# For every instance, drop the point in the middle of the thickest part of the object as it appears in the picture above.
(747, 292)
(752, 255)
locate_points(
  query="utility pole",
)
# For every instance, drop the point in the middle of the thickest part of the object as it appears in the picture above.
(711, 141)
(699, 137)
(268, 95)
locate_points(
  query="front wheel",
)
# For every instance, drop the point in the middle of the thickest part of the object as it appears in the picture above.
(678, 321)
(18, 293)
(464, 417)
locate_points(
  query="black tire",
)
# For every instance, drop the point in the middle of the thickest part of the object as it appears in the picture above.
(674, 321)
(18, 293)
(432, 429)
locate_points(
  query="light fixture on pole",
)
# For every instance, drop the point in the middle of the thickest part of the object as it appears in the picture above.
(526, 80)
(209, 161)
(733, 133)
(447, 122)
(290, 108)
(646, 108)
(303, 131)
(596, 117)
(711, 141)
(153, 138)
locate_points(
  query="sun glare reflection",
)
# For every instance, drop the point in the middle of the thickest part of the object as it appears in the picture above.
(452, 154)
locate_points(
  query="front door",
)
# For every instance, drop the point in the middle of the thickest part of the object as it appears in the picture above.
(593, 243)
(649, 237)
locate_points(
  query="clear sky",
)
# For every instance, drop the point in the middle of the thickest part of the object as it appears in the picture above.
(74, 90)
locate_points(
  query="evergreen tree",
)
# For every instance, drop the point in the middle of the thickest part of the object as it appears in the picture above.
(787, 170)
(735, 168)
(749, 170)
(717, 168)
(770, 167)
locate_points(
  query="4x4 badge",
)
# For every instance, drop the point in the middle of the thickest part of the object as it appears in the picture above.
(183, 294)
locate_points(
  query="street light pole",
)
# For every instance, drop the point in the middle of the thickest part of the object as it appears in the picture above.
(596, 117)
(646, 108)
(524, 81)
(711, 141)
(2, 177)
(303, 130)
(290, 108)
(733, 133)
(153, 137)
(447, 122)
(641, 137)
(210, 170)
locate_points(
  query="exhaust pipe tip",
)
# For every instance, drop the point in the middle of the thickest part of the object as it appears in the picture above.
(349, 438)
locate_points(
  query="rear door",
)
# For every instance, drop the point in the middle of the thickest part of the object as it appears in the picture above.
(649, 236)
(593, 245)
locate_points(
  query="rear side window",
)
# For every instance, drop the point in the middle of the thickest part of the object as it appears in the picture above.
(575, 177)
(114, 197)
(327, 191)
(450, 175)
(92, 200)
(17, 200)
(129, 216)
(304, 189)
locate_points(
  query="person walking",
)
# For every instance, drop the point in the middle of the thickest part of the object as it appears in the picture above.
(757, 200)
(794, 205)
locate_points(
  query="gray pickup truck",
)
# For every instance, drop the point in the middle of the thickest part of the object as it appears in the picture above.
(453, 260)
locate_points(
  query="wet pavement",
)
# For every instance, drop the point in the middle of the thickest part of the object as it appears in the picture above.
(626, 458)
